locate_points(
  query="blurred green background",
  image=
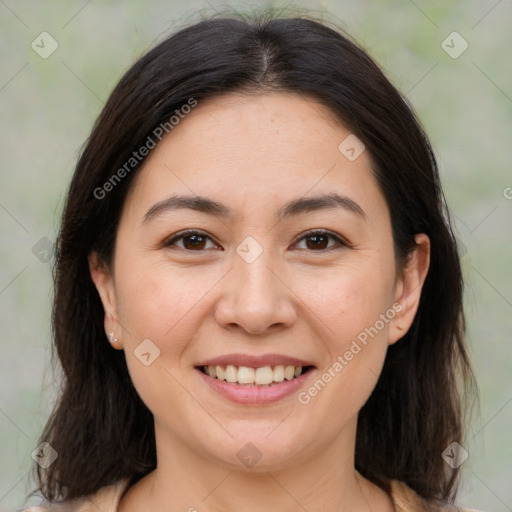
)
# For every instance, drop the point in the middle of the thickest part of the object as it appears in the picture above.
(48, 106)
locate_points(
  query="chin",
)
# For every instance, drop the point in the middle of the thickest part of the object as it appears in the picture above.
(259, 452)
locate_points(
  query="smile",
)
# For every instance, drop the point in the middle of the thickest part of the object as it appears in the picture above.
(246, 376)
(254, 386)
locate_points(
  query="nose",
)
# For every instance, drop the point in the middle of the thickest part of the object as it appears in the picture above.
(256, 298)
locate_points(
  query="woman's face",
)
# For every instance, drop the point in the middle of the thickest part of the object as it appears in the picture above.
(251, 288)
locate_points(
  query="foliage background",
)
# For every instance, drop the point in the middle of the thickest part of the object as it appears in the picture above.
(47, 107)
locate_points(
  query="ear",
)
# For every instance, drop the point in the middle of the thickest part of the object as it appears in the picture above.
(408, 288)
(104, 282)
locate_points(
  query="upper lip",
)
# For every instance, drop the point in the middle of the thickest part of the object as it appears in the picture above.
(254, 361)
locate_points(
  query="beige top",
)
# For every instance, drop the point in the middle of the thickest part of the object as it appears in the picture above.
(107, 499)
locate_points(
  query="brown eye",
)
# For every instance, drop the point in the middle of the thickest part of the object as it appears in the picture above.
(319, 240)
(192, 241)
(195, 241)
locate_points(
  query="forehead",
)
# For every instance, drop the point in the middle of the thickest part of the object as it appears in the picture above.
(256, 151)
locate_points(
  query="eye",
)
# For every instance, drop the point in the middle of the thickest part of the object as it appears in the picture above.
(192, 240)
(319, 238)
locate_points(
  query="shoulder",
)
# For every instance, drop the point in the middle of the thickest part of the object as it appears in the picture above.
(105, 499)
(406, 500)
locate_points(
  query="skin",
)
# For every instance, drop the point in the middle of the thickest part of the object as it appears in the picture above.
(253, 154)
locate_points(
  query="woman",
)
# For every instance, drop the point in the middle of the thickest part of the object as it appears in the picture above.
(258, 296)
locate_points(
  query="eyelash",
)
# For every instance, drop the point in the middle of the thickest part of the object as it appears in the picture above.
(313, 232)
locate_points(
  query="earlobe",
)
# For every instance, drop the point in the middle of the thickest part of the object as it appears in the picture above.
(409, 287)
(103, 280)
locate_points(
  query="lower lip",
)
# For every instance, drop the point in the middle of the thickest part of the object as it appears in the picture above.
(255, 395)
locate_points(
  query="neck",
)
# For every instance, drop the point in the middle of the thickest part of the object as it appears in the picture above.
(186, 480)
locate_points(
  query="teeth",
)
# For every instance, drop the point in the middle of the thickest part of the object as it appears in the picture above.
(289, 372)
(264, 375)
(221, 373)
(244, 375)
(231, 373)
(279, 373)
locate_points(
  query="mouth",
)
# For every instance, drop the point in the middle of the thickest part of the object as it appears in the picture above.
(258, 385)
(261, 377)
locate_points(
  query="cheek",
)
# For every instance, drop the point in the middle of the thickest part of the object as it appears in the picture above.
(161, 303)
(347, 301)
(355, 312)
(147, 303)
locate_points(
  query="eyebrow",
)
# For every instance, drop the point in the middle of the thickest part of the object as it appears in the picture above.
(292, 208)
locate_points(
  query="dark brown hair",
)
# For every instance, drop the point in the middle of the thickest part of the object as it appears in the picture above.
(100, 428)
